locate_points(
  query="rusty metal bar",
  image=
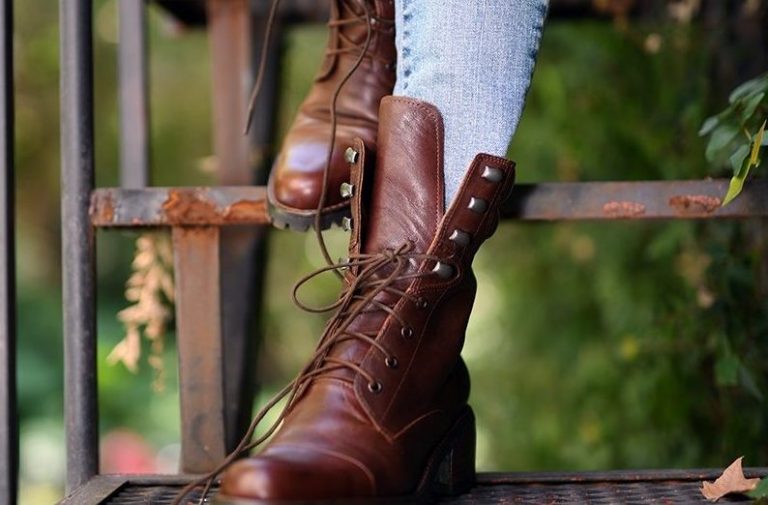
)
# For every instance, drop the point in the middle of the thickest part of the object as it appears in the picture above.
(133, 95)
(9, 428)
(222, 206)
(634, 200)
(215, 206)
(78, 251)
(201, 358)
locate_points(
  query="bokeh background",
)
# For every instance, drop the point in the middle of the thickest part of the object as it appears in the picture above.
(592, 346)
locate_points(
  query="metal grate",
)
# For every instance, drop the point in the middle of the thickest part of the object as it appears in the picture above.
(143, 494)
(667, 492)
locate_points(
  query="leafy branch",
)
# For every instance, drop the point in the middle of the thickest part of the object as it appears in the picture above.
(737, 134)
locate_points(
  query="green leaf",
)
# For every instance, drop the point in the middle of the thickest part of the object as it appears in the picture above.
(738, 158)
(709, 125)
(751, 106)
(761, 491)
(727, 369)
(734, 189)
(737, 181)
(756, 143)
(749, 88)
(721, 137)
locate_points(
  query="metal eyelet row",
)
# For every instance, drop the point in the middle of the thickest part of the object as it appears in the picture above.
(490, 174)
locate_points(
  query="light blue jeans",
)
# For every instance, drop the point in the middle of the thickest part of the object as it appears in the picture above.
(473, 59)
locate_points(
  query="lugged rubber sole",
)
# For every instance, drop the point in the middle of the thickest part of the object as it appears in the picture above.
(450, 471)
(301, 222)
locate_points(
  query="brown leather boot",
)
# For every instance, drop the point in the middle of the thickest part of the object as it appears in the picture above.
(381, 411)
(296, 182)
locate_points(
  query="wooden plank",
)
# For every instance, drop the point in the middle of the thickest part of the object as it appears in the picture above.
(198, 323)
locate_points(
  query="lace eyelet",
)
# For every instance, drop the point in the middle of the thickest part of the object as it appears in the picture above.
(375, 387)
(406, 332)
(422, 303)
(391, 362)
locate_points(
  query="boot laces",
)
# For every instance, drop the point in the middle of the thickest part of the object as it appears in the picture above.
(350, 13)
(365, 277)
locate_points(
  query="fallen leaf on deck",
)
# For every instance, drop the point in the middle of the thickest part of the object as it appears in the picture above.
(731, 481)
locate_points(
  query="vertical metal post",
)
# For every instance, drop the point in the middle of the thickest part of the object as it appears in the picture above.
(231, 31)
(133, 95)
(9, 441)
(201, 364)
(78, 253)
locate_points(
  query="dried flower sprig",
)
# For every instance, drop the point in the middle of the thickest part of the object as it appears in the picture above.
(150, 290)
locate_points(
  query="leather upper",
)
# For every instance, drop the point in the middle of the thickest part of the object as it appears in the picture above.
(343, 438)
(296, 181)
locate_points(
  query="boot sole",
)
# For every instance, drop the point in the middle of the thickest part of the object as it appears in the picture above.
(302, 221)
(450, 471)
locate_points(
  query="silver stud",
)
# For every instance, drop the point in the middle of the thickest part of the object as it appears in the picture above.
(351, 155)
(422, 303)
(406, 332)
(346, 223)
(347, 190)
(375, 387)
(491, 174)
(477, 205)
(443, 270)
(460, 237)
(391, 362)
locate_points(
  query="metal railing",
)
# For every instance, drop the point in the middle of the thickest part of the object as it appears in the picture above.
(200, 219)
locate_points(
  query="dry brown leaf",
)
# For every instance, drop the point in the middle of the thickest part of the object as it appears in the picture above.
(731, 481)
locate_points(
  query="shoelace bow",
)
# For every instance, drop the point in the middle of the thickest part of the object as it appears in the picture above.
(363, 283)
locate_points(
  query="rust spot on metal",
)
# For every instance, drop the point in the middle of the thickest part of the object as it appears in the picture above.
(623, 209)
(102, 210)
(246, 211)
(189, 207)
(695, 205)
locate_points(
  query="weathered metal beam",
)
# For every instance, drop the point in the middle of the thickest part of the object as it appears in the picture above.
(9, 427)
(199, 342)
(556, 201)
(133, 94)
(568, 201)
(215, 206)
(78, 241)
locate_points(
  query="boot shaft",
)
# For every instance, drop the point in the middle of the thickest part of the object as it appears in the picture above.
(399, 203)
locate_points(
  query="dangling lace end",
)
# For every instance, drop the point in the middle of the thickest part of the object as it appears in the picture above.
(262, 65)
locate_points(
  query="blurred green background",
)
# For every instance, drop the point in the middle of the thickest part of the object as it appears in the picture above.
(592, 346)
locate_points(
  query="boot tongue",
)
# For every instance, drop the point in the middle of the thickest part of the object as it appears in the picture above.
(406, 198)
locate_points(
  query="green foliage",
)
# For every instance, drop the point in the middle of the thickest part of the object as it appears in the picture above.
(731, 134)
(761, 491)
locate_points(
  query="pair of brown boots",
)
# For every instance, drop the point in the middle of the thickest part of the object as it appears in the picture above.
(380, 411)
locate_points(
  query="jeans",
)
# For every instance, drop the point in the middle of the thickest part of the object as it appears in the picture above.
(474, 60)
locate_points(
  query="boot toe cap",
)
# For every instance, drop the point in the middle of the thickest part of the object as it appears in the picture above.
(292, 476)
